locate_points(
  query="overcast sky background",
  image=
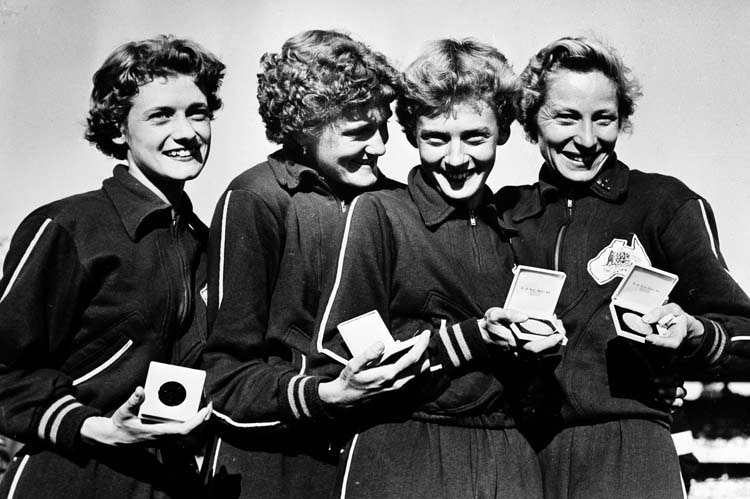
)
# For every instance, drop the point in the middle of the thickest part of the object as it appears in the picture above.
(691, 57)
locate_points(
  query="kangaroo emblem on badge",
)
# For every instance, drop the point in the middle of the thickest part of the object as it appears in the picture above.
(616, 259)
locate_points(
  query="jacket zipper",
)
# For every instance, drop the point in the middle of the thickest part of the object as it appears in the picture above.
(561, 232)
(473, 230)
(184, 304)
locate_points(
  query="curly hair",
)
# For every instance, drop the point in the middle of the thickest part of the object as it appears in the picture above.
(451, 72)
(580, 55)
(318, 77)
(135, 64)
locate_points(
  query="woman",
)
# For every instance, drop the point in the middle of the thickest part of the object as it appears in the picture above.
(325, 99)
(433, 256)
(593, 218)
(97, 285)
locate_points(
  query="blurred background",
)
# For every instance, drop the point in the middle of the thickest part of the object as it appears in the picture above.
(690, 56)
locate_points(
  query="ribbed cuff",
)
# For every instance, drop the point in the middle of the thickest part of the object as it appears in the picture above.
(300, 400)
(708, 350)
(61, 423)
(460, 344)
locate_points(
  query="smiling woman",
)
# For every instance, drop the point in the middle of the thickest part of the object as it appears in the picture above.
(594, 218)
(432, 256)
(99, 284)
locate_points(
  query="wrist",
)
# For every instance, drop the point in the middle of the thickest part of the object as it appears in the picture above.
(329, 392)
(695, 327)
(94, 430)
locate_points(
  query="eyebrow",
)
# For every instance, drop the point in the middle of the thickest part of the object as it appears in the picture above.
(470, 132)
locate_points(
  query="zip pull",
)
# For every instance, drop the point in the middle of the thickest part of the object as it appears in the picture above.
(472, 219)
(570, 206)
(343, 207)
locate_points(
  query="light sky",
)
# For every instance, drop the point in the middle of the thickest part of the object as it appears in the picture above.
(691, 57)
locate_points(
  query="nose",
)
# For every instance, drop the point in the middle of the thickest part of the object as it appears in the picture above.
(376, 144)
(585, 138)
(183, 129)
(456, 155)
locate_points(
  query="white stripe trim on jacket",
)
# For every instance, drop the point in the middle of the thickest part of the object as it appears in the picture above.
(336, 283)
(104, 364)
(25, 257)
(222, 246)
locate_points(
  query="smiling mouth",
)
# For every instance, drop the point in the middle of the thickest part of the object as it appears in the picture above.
(183, 153)
(458, 176)
(586, 161)
(371, 162)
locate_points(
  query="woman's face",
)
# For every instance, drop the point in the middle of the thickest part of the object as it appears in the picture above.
(168, 132)
(347, 150)
(578, 123)
(458, 150)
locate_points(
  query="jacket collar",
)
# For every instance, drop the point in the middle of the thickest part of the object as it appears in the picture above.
(136, 204)
(435, 209)
(289, 173)
(611, 184)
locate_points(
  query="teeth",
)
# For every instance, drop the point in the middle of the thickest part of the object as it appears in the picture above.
(458, 176)
(179, 153)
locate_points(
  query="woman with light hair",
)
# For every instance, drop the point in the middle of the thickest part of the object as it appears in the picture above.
(593, 217)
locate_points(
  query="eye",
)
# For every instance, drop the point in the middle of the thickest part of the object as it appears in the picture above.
(202, 115)
(476, 140)
(565, 118)
(160, 116)
(606, 120)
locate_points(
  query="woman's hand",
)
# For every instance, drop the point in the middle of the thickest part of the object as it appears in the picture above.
(670, 392)
(674, 325)
(125, 427)
(495, 327)
(360, 380)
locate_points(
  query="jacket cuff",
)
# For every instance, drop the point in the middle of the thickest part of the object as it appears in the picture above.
(61, 423)
(709, 349)
(300, 400)
(460, 344)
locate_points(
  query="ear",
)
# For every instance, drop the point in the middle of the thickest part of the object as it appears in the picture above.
(120, 139)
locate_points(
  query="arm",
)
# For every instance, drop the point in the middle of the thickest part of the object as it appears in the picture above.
(246, 241)
(712, 307)
(40, 295)
(363, 282)
(44, 290)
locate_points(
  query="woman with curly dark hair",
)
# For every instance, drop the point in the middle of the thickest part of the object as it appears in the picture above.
(325, 98)
(97, 285)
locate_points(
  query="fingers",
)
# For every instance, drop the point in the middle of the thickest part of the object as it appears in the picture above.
(131, 406)
(672, 341)
(497, 315)
(364, 359)
(414, 354)
(656, 315)
(544, 343)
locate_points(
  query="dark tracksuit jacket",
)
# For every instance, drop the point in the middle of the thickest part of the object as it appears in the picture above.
(253, 378)
(425, 264)
(594, 232)
(94, 287)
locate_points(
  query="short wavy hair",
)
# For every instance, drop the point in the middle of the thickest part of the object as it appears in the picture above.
(318, 77)
(451, 72)
(135, 64)
(580, 55)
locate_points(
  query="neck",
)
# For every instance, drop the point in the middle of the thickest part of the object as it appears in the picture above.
(168, 191)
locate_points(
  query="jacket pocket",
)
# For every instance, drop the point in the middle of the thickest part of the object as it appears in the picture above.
(103, 352)
(471, 391)
(438, 306)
